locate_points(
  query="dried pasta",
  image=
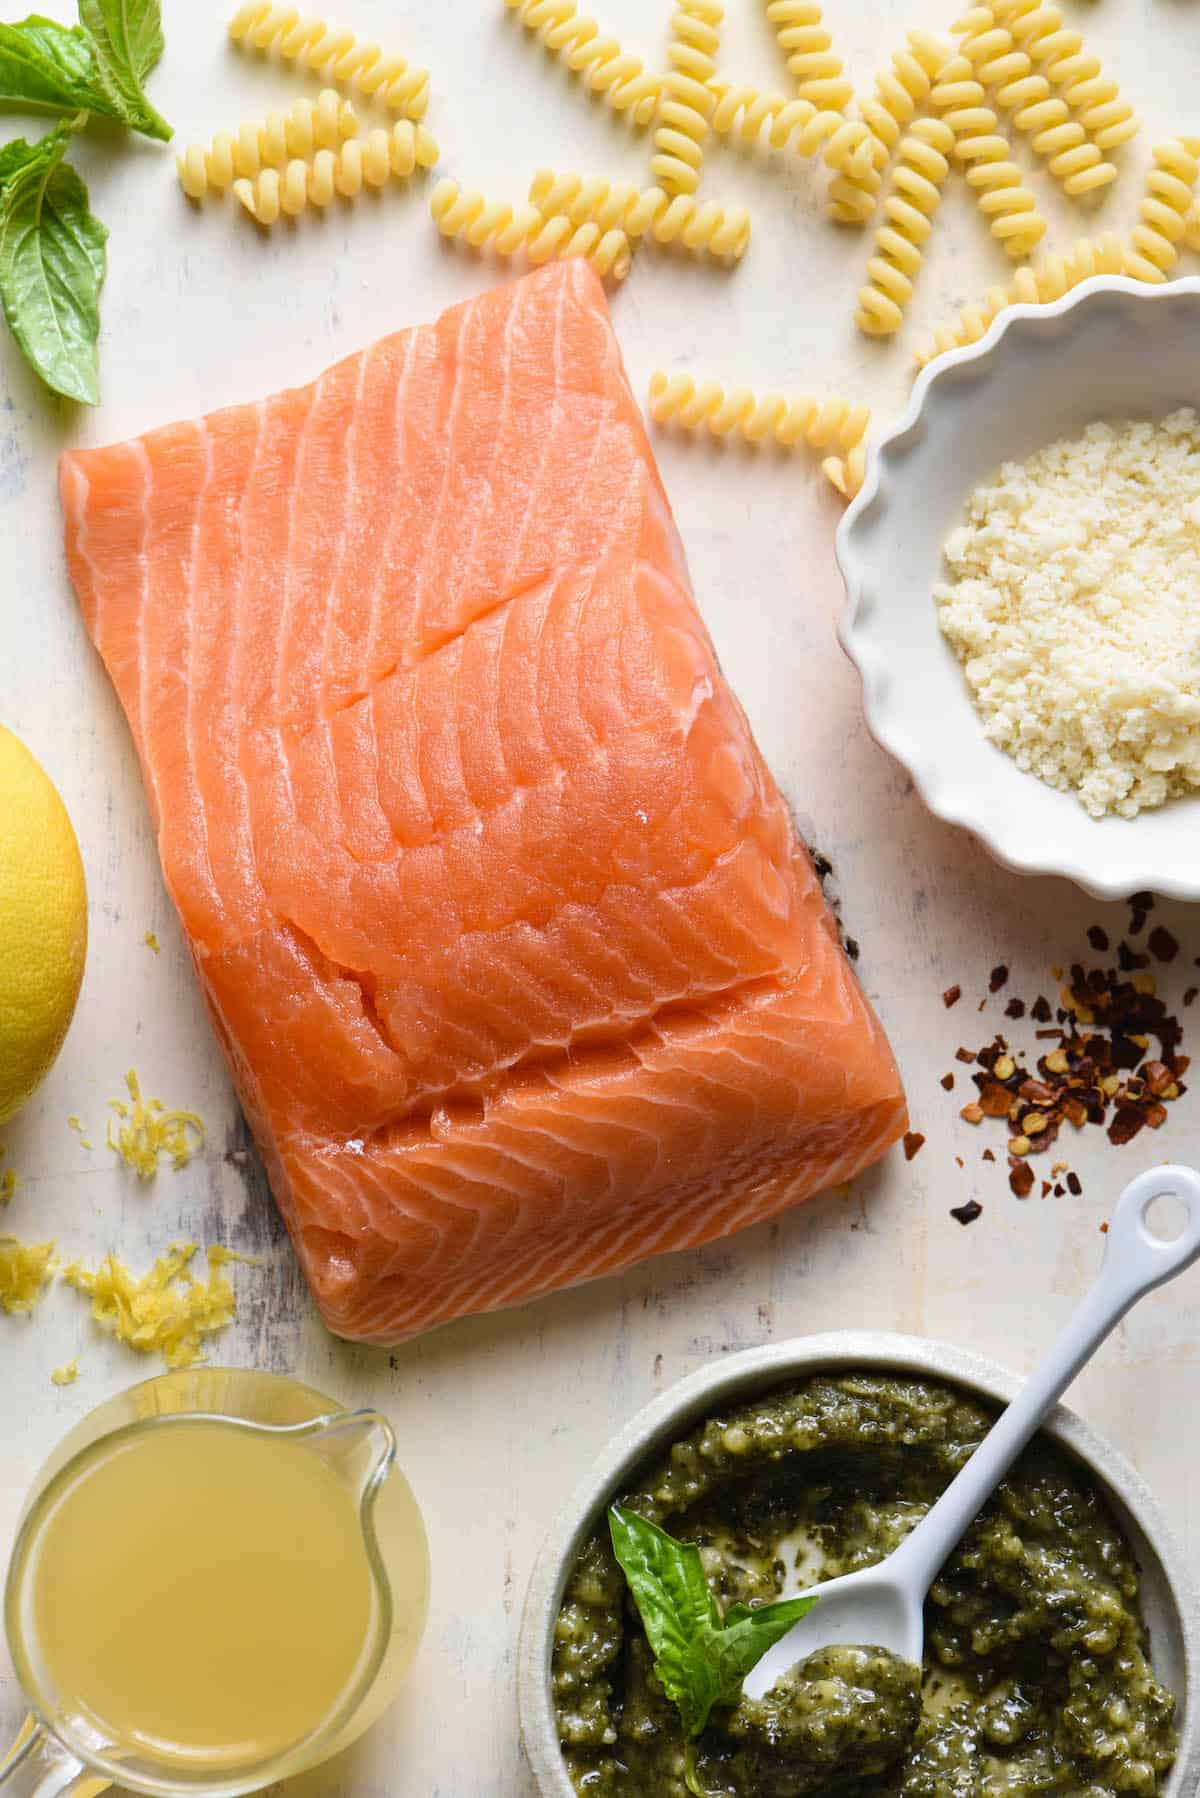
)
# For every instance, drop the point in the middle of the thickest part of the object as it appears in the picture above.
(750, 114)
(606, 68)
(833, 425)
(808, 47)
(643, 212)
(1165, 210)
(921, 170)
(1047, 280)
(899, 92)
(336, 54)
(308, 126)
(687, 102)
(1059, 50)
(1038, 111)
(369, 161)
(509, 230)
(1003, 198)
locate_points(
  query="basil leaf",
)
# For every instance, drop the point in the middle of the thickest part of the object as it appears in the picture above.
(677, 1610)
(52, 267)
(748, 1635)
(48, 66)
(127, 39)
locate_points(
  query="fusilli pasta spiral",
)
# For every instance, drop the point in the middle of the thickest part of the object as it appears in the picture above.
(606, 68)
(1048, 280)
(470, 218)
(1046, 118)
(811, 62)
(1005, 201)
(924, 163)
(1166, 206)
(833, 424)
(899, 91)
(369, 161)
(1059, 50)
(334, 53)
(308, 126)
(687, 101)
(750, 114)
(643, 212)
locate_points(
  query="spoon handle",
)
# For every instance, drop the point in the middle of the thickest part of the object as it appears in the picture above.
(1135, 1262)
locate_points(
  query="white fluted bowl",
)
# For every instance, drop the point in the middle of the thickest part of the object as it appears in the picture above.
(1112, 348)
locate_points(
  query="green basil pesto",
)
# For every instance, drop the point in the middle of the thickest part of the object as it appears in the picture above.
(1035, 1677)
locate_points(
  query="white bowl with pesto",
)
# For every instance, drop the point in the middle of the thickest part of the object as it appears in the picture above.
(1112, 348)
(1168, 1598)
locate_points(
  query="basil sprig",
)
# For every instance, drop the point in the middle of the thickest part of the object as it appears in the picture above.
(700, 1659)
(52, 248)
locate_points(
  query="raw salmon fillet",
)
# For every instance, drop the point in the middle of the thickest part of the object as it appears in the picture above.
(520, 970)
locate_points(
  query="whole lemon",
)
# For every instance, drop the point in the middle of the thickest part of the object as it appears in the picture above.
(43, 923)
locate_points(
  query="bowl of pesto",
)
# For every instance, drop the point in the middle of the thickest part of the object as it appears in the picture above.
(1062, 1638)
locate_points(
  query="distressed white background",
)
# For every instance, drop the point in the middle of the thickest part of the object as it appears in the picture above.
(498, 1417)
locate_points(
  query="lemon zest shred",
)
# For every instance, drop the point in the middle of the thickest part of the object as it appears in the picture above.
(152, 942)
(26, 1269)
(168, 1311)
(76, 1124)
(146, 1131)
(66, 1376)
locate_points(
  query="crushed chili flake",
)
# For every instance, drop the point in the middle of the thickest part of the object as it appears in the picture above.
(951, 996)
(966, 1214)
(948, 1082)
(1021, 1179)
(914, 1142)
(852, 948)
(1104, 1229)
(1111, 1060)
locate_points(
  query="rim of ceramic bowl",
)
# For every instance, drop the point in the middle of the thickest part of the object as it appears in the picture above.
(936, 798)
(758, 1369)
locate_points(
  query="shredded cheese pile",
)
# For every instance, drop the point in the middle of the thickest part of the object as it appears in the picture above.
(146, 1131)
(66, 1376)
(25, 1270)
(168, 1311)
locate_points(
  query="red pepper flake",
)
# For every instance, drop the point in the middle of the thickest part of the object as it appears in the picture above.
(852, 948)
(1040, 1010)
(951, 996)
(1045, 1189)
(948, 1083)
(959, 1161)
(1015, 1008)
(966, 1214)
(987, 1155)
(1104, 1229)
(1058, 1189)
(967, 1055)
(997, 978)
(1098, 937)
(1161, 944)
(1021, 1179)
(914, 1142)
(1074, 1185)
(1190, 995)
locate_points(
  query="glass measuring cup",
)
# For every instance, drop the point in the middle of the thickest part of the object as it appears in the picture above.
(61, 1751)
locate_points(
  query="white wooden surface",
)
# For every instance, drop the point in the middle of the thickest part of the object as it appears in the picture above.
(497, 1417)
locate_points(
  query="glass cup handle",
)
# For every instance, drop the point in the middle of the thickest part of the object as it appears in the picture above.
(39, 1767)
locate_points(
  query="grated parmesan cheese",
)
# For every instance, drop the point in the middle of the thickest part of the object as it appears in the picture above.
(66, 1375)
(1074, 607)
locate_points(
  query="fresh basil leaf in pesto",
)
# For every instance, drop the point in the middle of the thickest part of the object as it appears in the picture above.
(700, 1660)
(127, 39)
(748, 1634)
(52, 266)
(50, 67)
(677, 1610)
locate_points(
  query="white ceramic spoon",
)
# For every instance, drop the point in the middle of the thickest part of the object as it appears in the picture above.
(883, 1606)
